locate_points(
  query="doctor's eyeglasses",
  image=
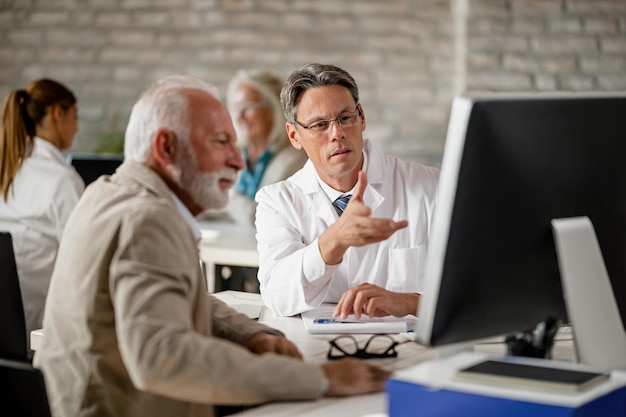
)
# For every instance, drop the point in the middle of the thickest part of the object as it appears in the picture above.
(377, 346)
(345, 120)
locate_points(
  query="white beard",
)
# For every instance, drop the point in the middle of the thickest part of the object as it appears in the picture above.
(206, 192)
(203, 187)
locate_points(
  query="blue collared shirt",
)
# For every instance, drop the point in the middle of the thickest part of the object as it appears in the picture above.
(250, 179)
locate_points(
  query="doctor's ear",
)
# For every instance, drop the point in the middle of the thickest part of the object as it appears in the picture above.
(293, 135)
(362, 115)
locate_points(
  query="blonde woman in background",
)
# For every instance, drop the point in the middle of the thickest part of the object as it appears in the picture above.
(39, 189)
(253, 99)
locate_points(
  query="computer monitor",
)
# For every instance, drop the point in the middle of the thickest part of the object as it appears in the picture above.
(513, 163)
(90, 166)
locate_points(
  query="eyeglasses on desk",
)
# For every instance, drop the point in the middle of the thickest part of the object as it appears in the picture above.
(377, 346)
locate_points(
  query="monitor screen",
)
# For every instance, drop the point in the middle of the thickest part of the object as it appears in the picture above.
(90, 166)
(511, 164)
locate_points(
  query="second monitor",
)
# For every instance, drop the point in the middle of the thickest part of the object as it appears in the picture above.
(90, 166)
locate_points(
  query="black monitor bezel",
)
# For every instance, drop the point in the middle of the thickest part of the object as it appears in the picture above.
(468, 309)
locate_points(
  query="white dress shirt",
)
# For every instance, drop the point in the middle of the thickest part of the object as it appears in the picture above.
(292, 214)
(189, 218)
(41, 198)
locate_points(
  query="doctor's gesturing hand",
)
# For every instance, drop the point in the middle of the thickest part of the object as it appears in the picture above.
(355, 227)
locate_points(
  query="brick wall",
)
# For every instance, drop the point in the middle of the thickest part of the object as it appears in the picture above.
(410, 57)
(546, 45)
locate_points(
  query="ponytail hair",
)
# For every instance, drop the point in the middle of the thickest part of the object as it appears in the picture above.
(24, 109)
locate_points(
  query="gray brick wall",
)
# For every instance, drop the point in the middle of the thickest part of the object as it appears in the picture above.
(410, 57)
(576, 45)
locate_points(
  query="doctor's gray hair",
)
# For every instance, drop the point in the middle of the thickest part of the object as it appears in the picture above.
(312, 76)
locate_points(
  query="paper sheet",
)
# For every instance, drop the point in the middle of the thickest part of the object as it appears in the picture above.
(321, 320)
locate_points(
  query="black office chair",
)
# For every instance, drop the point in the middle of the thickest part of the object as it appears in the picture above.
(22, 390)
(13, 337)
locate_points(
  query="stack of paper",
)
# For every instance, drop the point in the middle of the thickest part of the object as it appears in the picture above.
(321, 320)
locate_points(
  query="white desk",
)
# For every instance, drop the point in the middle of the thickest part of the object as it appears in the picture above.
(225, 243)
(315, 347)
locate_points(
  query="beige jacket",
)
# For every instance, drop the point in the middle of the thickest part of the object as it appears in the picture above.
(129, 327)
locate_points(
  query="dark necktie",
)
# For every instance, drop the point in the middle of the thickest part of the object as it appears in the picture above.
(341, 203)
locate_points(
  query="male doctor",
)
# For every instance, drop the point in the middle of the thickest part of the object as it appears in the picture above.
(351, 226)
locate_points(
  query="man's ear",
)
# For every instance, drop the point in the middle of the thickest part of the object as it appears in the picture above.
(293, 135)
(362, 113)
(164, 147)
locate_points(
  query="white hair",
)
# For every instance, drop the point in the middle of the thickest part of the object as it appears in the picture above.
(269, 85)
(162, 106)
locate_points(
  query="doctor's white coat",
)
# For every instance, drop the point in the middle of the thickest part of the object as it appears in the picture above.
(292, 214)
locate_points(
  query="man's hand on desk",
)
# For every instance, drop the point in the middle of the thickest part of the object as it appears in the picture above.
(264, 342)
(349, 376)
(376, 302)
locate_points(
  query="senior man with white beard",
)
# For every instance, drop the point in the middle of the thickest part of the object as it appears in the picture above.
(129, 327)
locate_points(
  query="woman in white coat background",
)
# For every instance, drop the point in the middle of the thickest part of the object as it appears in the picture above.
(39, 189)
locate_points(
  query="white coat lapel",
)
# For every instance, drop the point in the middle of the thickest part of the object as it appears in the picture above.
(375, 176)
(321, 207)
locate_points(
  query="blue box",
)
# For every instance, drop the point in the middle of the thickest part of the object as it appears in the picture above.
(430, 389)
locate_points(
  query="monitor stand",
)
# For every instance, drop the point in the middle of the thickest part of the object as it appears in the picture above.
(596, 322)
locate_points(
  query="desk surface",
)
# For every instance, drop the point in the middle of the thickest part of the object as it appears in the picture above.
(315, 347)
(228, 236)
(224, 243)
